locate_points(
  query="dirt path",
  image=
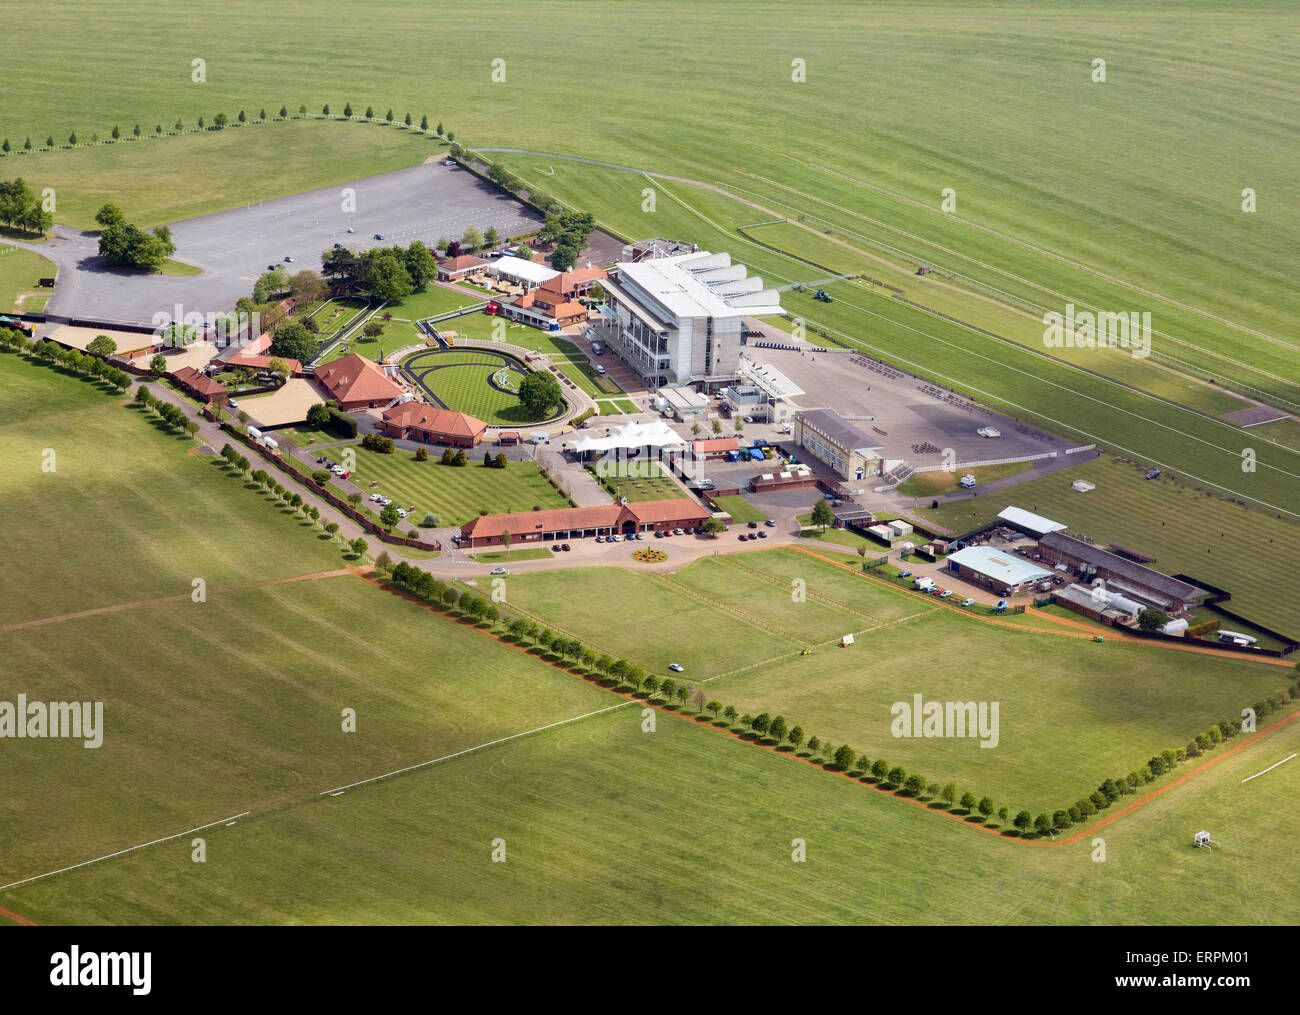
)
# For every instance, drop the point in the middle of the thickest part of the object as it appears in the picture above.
(18, 918)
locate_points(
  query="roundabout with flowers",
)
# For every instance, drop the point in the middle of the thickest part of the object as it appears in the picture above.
(649, 556)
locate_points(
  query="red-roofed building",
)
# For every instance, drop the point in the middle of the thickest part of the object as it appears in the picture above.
(199, 385)
(415, 421)
(574, 523)
(554, 303)
(715, 447)
(460, 267)
(357, 383)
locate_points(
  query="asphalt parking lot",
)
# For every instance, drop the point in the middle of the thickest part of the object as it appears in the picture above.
(910, 419)
(233, 247)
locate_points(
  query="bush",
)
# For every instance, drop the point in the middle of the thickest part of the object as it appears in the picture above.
(342, 424)
(421, 454)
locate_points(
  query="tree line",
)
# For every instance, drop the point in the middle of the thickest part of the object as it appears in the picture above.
(21, 208)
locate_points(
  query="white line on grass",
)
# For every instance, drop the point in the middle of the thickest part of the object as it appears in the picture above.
(469, 750)
(1267, 770)
(121, 852)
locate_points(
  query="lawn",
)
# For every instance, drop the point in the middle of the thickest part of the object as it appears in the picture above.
(19, 271)
(455, 494)
(584, 375)
(1072, 712)
(639, 481)
(523, 553)
(741, 510)
(433, 301)
(581, 806)
(459, 378)
(941, 481)
(1250, 552)
(113, 467)
(154, 181)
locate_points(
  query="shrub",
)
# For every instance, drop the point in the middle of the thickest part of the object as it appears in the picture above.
(421, 454)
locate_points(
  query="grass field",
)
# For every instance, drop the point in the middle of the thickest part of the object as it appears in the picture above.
(106, 455)
(1249, 552)
(1073, 713)
(582, 807)
(153, 181)
(19, 271)
(639, 480)
(741, 510)
(931, 484)
(459, 379)
(455, 494)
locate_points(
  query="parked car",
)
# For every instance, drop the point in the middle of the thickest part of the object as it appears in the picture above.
(566, 547)
(678, 532)
(379, 236)
(770, 523)
(499, 570)
(749, 419)
(232, 403)
(945, 594)
(762, 534)
(968, 602)
(676, 667)
(905, 574)
(288, 259)
(555, 547)
(1153, 474)
(600, 539)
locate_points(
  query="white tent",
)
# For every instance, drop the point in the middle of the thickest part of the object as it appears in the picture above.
(516, 269)
(655, 434)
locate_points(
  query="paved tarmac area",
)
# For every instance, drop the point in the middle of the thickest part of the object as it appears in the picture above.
(427, 202)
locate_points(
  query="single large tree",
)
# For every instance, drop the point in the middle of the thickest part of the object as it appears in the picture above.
(822, 515)
(293, 341)
(539, 393)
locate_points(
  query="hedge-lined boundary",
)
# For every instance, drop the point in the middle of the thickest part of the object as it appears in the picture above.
(334, 500)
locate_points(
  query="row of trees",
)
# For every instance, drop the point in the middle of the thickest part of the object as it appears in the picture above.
(21, 208)
(170, 413)
(89, 365)
(123, 245)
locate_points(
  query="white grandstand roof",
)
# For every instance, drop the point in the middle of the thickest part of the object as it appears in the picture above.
(655, 434)
(702, 284)
(1022, 519)
(527, 271)
(774, 383)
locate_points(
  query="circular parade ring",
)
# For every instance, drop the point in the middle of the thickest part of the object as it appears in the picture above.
(420, 367)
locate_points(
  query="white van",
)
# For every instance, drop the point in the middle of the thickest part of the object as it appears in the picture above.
(600, 370)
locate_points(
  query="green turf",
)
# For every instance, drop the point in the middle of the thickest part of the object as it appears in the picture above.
(932, 484)
(111, 468)
(459, 379)
(154, 181)
(639, 481)
(455, 494)
(741, 510)
(19, 271)
(523, 553)
(572, 804)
